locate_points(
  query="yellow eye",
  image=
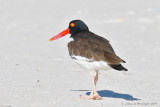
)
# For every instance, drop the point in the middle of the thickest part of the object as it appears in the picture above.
(72, 24)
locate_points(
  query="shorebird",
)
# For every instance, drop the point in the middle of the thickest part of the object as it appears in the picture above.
(91, 51)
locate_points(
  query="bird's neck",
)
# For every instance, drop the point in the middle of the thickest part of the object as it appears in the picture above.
(76, 34)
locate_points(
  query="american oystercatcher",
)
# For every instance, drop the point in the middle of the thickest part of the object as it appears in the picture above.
(91, 51)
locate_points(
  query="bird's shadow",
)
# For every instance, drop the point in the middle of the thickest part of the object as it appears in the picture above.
(112, 94)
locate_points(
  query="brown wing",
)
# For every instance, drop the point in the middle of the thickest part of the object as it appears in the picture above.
(112, 58)
(94, 47)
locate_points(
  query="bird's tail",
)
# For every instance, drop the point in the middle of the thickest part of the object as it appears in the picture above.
(118, 67)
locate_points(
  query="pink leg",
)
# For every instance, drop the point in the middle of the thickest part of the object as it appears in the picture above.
(96, 77)
(93, 95)
(95, 82)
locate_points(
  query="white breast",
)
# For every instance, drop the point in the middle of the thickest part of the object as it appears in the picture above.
(91, 64)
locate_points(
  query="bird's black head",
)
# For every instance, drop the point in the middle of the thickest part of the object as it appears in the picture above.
(76, 26)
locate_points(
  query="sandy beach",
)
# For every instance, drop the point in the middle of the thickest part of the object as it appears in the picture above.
(35, 72)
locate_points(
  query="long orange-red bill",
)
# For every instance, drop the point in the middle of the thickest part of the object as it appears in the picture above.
(63, 33)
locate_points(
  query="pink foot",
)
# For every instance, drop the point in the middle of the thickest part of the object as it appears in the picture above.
(94, 97)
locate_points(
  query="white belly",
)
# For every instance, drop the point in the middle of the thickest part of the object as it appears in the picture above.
(90, 64)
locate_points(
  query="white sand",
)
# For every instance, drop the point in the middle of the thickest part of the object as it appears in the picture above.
(37, 73)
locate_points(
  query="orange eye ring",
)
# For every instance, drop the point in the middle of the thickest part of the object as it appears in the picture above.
(72, 24)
